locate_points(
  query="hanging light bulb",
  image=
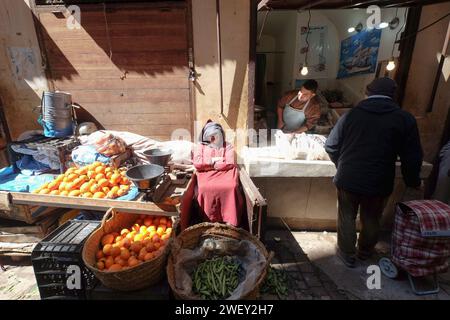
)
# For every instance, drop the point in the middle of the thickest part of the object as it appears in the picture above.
(391, 65)
(351, 29)
(304, 71)
(383, 25)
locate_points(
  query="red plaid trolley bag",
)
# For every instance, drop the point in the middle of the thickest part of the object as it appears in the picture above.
(420, 241)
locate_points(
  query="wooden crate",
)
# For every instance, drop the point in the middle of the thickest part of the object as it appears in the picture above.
(28, 214)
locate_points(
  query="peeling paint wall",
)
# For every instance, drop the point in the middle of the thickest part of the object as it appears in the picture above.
(22, 77)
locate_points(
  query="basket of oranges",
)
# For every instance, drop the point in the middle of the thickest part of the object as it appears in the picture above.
(96, 180)
(129, 251)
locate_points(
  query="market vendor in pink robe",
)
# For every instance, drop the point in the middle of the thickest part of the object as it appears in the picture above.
(217, 193)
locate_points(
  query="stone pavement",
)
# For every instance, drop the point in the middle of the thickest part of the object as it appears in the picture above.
(308, 258)
(305, 280)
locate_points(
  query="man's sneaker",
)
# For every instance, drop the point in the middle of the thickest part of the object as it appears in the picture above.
(347, 259)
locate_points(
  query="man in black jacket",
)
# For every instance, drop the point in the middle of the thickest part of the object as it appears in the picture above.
(364, 146)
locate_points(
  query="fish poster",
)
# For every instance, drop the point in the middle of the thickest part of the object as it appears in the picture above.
(359, 53)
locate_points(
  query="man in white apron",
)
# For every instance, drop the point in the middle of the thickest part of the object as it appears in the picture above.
(299, 111)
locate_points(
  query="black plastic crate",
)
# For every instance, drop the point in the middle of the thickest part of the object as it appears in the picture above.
(52, 257)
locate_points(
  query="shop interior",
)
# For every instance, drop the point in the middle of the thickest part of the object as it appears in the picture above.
(341, 51)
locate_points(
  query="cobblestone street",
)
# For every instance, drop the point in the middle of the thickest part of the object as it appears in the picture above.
(306, 281)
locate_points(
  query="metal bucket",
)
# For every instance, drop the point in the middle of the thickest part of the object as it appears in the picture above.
(158, 156)
(57, 113)
(145, 176)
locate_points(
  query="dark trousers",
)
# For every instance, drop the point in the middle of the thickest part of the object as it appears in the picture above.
(370, 212)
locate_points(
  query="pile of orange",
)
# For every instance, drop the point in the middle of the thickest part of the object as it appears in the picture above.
(143, 241)
(96, 180)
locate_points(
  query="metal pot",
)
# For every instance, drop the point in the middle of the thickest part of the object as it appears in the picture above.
(145, 176)
(158, 156)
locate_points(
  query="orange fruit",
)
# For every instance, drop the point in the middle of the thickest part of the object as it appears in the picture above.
(119, 260)
(115, 267)
(125, 253)
(126, 243)
(139, 237)
(85, 187)
(115, 178)
(148, 222)
(152, 234)
(103, 182)
(52, 185)
(60, 178)
(74, 193)
(121, 192)
(155, 238)
(157, 245)
(165, 237)
(99, 169)
(54, 192)
(64, 193)
(118, 239)
(87, 195)
(149, 256)
(44, 191)
(150, 247)
(62, 186)
(108, 170)
(136, 227)
(99, 254)
(124, 232)
(132, 262)
(70, 170)
(169, 231)
(163, 220)
(94, 188)
(136, 247)
(100, 265)
(125, 180)
(161, 229)
(143, 230)
(107, 239)
(169, 224)
(107, 249)
(152, 228)
(124, 187)
(109, 262)
(108, 175)
(142, 254)
(115, 251)
(91, 174)
(68, 186)
(72, 177)
(139, 221)
(156, 221)
(105, 190)
(99, 176)
(98, 195)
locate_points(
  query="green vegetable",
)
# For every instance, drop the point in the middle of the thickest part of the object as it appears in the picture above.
(276, 283)
(216, 278)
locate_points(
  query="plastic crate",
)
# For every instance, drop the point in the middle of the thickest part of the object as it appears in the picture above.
(59, 148)
(52, 257)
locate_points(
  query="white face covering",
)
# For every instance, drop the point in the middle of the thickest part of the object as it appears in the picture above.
(216, 140)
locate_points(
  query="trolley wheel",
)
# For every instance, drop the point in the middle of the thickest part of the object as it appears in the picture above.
(388, 268)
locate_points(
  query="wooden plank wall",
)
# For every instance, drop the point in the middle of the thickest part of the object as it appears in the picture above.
(127, 66)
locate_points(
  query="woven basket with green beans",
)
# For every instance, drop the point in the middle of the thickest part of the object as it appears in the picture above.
(216, 278)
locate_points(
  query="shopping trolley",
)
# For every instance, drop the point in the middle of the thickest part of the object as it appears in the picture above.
(420, 242)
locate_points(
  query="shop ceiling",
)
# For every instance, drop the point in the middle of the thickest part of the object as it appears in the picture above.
(338, 4)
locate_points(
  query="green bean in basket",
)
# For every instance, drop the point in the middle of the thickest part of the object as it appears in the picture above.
(216, 278)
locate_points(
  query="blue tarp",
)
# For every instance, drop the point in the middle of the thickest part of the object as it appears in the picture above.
(17, 182)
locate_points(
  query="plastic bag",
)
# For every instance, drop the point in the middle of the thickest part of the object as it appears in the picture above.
(85, 155)
(247, 254)
(110, 145)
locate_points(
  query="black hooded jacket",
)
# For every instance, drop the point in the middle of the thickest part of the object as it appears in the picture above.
(365, 143)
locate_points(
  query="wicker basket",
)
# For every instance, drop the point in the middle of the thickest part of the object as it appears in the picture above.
(144, 275)
(190, 238)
